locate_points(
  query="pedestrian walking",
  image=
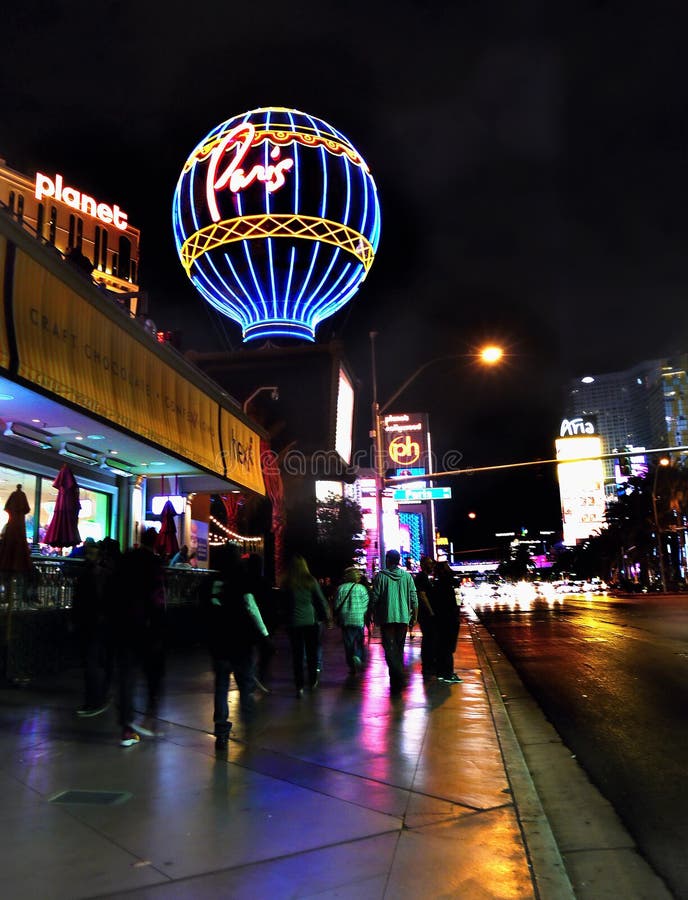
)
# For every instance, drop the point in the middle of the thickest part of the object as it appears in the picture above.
(351, 605)
(139, 620)
(395, 607)
(233, 625)
(306, 609)
(447, 615)
(261, 588)
(92, 630)
(426, 617)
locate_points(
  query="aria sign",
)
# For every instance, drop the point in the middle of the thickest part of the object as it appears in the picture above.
(276, 221)
(579, 425)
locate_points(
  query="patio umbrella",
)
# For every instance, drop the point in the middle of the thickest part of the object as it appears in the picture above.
(63, 529)
(15, 555)
(166, 543)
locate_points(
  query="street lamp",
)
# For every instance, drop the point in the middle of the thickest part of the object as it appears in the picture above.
(658, 534)
(489, 355)
(274, 394)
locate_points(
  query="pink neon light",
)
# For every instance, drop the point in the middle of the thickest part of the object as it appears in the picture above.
(234, 177)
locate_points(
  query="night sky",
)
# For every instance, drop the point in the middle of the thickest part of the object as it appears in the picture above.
(530, 159)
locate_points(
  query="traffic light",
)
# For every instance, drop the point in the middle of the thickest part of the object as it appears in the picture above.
(625, 468)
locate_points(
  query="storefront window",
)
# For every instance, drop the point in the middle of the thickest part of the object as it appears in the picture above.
(93, 515)
(9, 479)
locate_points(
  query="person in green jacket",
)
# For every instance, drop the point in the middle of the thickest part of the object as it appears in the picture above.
(395, 607)
(306, 608)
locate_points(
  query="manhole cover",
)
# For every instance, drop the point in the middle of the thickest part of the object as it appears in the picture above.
(92, 798)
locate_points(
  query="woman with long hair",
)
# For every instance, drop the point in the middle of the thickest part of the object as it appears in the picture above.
(306, 608)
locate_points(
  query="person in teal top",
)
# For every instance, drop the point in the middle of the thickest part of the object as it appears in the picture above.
(306, 608)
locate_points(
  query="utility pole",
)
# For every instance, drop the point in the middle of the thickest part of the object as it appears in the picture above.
(378, 456)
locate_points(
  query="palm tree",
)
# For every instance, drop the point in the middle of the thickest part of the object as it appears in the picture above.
(670, 487)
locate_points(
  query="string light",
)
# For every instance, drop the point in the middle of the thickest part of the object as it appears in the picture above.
(230, 536)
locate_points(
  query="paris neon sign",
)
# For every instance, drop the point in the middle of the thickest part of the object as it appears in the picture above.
(234, 177)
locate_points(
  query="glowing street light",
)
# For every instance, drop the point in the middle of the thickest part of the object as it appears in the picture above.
(490, 355)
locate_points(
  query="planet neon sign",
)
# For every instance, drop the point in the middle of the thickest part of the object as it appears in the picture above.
(276, 221)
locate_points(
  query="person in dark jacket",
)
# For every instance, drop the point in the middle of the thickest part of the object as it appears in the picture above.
(90, 616)
(447, 618)
(426, 617)
(139, 617)
(261, 588)
(233, 623)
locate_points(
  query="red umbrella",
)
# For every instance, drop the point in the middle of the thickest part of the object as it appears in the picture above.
(166, 543)
(15, 555)
(63, 529)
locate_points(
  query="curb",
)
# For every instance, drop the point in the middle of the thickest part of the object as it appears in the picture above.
(547, 867)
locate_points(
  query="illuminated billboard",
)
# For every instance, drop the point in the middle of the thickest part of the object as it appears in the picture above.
(344, 426)
(276, 221)
(406, 441)
(581, 487)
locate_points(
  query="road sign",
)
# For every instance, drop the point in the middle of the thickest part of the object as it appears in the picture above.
(440, 493)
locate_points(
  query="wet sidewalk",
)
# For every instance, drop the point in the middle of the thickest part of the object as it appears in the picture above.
(343, 793)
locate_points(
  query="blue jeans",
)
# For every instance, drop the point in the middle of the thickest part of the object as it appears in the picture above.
(352, 636)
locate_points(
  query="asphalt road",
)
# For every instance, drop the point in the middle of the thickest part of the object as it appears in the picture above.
(612, 677)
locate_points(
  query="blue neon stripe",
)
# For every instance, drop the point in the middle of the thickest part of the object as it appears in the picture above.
(246, 309)
(219, 304)
(249, 260)
(314, 293)
(266, 163)
(347, 294)
(289, 277)
(324, 303)
(304, 285)
(249, 296)
(336, 302)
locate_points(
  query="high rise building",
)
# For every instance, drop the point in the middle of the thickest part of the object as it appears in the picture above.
(643, 406)
(668, 403)
(619, 402)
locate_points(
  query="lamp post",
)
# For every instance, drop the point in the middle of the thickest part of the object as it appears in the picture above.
(274, 392)
(658, 534)
(489, 355)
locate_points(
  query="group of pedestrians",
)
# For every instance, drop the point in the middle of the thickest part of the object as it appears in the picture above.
(119, 613)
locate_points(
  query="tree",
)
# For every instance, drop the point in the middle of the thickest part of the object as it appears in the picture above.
(340, 528)
(326, 533)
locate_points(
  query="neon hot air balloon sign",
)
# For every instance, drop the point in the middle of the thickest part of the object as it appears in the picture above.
(276, 221)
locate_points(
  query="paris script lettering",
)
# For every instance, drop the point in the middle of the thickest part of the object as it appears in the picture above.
(235, 177)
